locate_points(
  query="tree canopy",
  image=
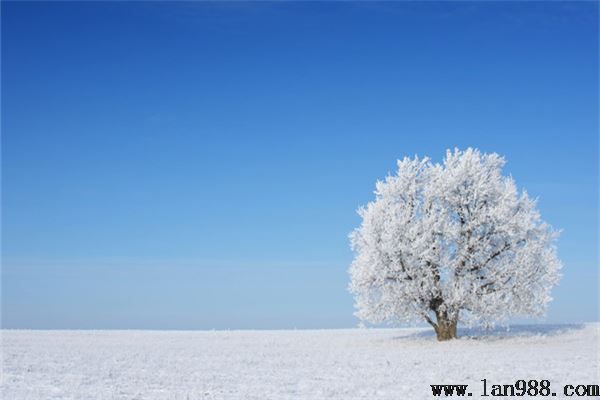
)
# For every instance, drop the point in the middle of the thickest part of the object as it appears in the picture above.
(452, 242)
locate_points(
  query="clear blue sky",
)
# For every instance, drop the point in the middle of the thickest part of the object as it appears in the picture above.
(198, 165)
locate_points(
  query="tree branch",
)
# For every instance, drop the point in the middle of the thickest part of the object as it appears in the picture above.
(429, 320)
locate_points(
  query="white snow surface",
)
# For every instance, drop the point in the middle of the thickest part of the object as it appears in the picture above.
(300, 364)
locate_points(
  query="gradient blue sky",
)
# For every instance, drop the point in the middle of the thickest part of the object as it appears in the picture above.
(198, 165)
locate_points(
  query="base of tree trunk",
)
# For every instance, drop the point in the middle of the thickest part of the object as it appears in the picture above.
(446, 330)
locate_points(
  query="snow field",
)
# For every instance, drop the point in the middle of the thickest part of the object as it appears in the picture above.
(304, 364)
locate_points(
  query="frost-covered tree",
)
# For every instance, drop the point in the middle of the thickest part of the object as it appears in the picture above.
(451, 242)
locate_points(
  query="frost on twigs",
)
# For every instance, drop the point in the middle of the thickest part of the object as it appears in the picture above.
(451, 242)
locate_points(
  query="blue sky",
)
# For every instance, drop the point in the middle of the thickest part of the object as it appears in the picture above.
(198, 165)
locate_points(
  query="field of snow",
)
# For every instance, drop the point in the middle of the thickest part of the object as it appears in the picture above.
(304, 364)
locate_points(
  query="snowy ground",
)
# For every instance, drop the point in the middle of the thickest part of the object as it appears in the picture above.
(328, 364)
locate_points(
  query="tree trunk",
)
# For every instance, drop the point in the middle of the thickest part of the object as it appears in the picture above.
(445, 327)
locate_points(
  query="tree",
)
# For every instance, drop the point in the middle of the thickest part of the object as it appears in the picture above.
(449, 242)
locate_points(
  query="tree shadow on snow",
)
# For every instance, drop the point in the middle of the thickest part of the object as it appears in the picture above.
(499, 332)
